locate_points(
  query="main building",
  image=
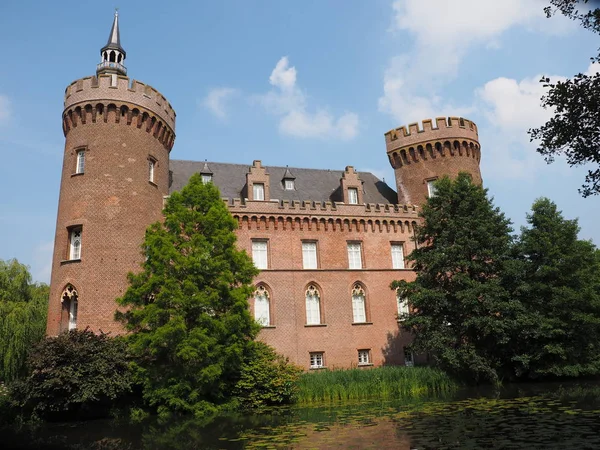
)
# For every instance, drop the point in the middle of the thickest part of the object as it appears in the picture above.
(328, 242)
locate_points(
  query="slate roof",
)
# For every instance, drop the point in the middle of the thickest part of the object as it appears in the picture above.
(310, 184)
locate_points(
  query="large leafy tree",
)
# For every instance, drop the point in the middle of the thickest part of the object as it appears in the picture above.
(462, 314)
(558, 284)
(23, 308)
(188, 308)
(574, 129)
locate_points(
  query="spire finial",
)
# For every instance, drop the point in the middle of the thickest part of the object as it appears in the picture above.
(113, 55)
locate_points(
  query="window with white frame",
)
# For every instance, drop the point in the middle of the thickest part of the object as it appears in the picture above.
(359, 311)
(80, 166)
(316, 360)
(260, 254)
(403, 308)
(206, 178)
(258, 191)
(70, 299)
(309, 255)
(354, 255)
(313, 306)
(151, 167)
(431, 189)
(397, 256)
(262, 307)
(364, 357)
(353, 196)
(75, 243)
(288, 184)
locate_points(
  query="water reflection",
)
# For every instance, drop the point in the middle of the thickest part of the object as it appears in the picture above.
(543, 416)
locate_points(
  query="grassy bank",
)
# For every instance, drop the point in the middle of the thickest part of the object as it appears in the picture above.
(385, 383)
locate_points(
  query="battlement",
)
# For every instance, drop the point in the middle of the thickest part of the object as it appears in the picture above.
(112, 87)
(446, 128)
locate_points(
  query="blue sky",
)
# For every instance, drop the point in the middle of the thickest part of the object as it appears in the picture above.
(309, 83)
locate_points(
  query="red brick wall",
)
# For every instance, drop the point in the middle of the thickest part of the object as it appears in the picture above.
(113, 201)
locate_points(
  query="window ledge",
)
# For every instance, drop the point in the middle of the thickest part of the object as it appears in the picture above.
(152, 183)
(77, 174)
(364, 364)
(69, 261)
(362, 323)
(268, 326)
(318, 368)
(315, 325)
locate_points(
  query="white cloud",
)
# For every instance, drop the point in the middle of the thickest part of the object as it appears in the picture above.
(289, 102)
(5, 109)
(216, 101)
(593, 69)
(443, 33)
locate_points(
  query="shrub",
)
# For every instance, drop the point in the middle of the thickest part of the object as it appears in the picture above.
(267, 379)
(77, 374)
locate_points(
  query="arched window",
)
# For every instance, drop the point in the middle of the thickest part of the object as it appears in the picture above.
(262, 306)
(313, 305)
(359, 311)
(70, 300)
(112, 56)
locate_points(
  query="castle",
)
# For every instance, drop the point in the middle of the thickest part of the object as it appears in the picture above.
(328, 242)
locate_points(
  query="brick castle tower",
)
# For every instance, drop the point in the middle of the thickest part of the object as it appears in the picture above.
(118, 135)
(420, 156)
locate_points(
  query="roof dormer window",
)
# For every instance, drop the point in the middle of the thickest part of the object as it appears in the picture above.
(288, 180)
(288, 184)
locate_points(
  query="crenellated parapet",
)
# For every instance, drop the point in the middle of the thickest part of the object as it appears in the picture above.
(323, 216)
(113, 99)
(449, 137)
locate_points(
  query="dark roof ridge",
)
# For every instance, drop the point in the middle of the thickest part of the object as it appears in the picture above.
(274, 167)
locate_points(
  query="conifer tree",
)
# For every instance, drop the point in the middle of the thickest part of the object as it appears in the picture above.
(559, 287)
(462, 315)
(188, 309)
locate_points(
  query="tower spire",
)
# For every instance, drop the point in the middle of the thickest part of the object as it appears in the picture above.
(113, 55)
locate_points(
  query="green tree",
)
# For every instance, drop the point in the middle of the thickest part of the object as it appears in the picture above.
(559, 287)
(188, 309)
(23, 309)
(463, 315)
(574, 129)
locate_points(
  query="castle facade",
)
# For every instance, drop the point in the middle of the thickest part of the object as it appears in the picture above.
(328, 242)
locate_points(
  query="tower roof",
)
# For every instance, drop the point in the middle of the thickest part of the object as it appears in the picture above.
(114, 38)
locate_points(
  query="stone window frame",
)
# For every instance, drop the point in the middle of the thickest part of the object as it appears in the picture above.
(262, 290)
(364, 357)
(310, 291)
(317, 360)
(75, 236)
(359, 290)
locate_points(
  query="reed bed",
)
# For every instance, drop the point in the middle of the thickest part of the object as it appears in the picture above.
(384, 383)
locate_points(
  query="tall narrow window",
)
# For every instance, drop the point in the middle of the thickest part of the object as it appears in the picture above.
(397, 256)
(262, 310)
(75, 243)
(258, 191)
(431, 190)
(69, 299)
(80, 167)
(151, 166)
(408, 358)
(403, 308)
(353, 196)
(260, 254)
(354, 255)
(313, 306)
(359, 313)
(316, 360)
(309, 255)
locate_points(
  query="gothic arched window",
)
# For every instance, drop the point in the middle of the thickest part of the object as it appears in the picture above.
(70, 300)
(262, 306)
(313, 305)
(359, 310)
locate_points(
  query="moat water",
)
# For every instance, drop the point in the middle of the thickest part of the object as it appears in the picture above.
(532, 416)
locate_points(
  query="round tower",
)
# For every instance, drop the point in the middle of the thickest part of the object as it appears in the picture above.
(420, 155)
(115, 176)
